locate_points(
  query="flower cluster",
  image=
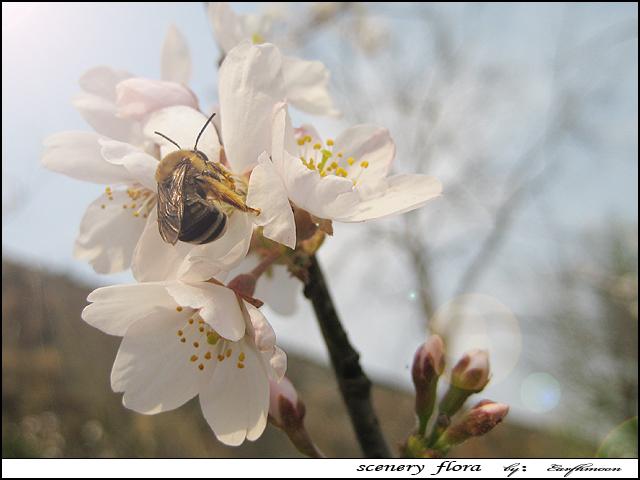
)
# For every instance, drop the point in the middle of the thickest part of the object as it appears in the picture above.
(470, 375)
(188, 329)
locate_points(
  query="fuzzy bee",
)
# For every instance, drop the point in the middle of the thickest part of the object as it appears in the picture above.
(195, 196)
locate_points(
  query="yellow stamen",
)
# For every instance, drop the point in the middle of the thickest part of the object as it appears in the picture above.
(201, 366)
(351, 160)
(207, 355)
(180, 333)
(196, 344)
(330, 142)
(178, 308)
(240, 365)
(341, 172)
(194, 358)
(364, 164)
(317, 146)
(241, 357)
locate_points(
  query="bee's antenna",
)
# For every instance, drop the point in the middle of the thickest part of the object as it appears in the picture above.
(195, 147)
(167, 138)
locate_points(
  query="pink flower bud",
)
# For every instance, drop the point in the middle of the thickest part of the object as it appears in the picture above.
(428, 364)
(285, 408)
(484, 416)
(138, 97)
(286, 411)
(428, 360)
(478, 421)
(472, 371)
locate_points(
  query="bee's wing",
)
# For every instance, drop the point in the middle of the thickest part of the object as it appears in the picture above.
(171, 203)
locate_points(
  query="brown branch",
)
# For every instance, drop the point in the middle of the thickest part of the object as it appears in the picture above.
(354, 384)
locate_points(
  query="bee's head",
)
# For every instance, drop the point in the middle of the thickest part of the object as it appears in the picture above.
(201, 155)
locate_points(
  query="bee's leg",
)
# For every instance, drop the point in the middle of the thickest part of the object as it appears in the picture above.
(226, 195)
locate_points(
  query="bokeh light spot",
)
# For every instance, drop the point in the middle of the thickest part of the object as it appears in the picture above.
(540, 392)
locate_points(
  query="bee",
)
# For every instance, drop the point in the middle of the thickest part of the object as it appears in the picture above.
(195, 196)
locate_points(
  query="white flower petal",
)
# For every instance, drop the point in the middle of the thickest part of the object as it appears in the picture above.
(405, 193)
(152, 367)
(102, 115)
(235, 401)
(153, 258)
(139, 97)
(140, 165)
(182, 124)
(306, 86)
(283, 138)
(77, 155)
(217, 258)
(277, 363)
(115, 308)
(96, 104)
(218, 306)
(109, 233)
(280, 290)
(268, 194)
(250, 85)
(366, 143)
(259, 329)
(227, 28)
(325, 197)
(102, 81)
(175, 60)
(310, 130)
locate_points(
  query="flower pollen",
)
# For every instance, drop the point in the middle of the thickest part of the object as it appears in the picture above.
(322, 159)
(140, 202)
(195, 331)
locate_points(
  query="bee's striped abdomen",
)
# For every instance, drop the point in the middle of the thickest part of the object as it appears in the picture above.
(202, 224)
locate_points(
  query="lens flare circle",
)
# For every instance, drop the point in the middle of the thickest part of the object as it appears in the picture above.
(476, 320)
